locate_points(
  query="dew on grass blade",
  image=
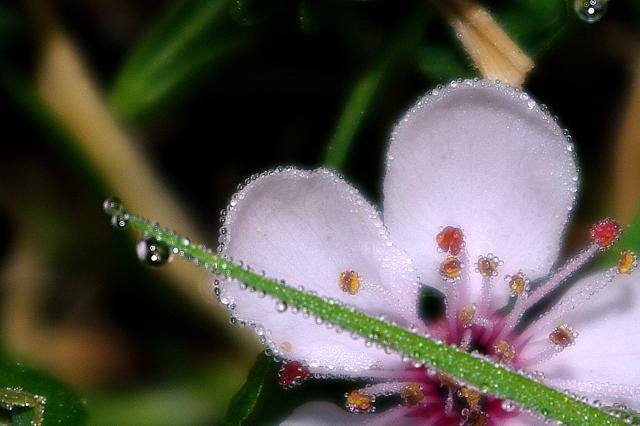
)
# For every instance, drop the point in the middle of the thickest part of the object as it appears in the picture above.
(153, 252)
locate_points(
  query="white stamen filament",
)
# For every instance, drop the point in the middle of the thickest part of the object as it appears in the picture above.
(569, 302)
(553, 282)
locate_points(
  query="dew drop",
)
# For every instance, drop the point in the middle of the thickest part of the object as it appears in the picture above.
(120, 221)
(281, 306)
(153, 252)
(590, 11)
(112, 206)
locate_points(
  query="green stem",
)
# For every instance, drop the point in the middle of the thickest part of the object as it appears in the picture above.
(478, 372)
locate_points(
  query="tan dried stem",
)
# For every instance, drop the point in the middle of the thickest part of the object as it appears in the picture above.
(68, 89)
(493, 52)
(626, 173)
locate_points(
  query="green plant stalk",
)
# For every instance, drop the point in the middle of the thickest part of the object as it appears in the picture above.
(475, 371)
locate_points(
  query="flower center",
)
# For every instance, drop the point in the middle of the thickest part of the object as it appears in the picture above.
(349, 282)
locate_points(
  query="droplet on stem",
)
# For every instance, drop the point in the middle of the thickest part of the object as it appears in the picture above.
(590, 11)
(153, 252)
(113, 206)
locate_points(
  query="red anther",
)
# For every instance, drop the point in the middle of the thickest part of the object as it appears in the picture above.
(450, 240)
(292, 373)
(605, 232)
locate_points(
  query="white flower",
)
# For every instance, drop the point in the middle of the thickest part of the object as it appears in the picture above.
(479, 185)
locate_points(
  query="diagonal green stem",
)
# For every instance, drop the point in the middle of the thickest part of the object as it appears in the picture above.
(476, 371)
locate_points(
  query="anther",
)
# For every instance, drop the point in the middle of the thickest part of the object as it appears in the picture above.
(466, 315)
(471, 396)
(411, 394)
(359, 402)
(349, 282)
(451, 268)
(518, 283)
(487, 265)
(504, 351)
(605, 232)
(292, 373)
(628, 262)
(450, 240)
(562, 336)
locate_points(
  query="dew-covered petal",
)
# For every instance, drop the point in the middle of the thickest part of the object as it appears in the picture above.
(309, 228)
(327, 414)
(484, 157)
(522, 419)
(607, 346)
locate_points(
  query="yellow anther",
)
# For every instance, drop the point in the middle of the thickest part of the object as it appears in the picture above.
(472, 396)
(466, 315)
(504, 351)
(451, 268)
(628, 262)
(412, 394)
(349, 282)
(357, 401)
(518, 283)
(562, 336)
(488, 265)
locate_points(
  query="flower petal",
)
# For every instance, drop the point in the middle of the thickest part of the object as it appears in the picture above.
(522, 419)
(485, 157)
(307, 228)
(327, 414)
(607, 348)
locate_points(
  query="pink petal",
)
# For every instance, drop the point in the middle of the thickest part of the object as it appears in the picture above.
(307, 227)
(327, 414)
(487, 158)
(607, 348)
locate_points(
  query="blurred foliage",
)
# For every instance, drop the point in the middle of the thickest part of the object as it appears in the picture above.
(62, 406)
(262, 401)
(243, 85)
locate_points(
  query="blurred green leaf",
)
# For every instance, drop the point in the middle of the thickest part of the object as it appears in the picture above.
(183, 43)
(262, 401)
(442, 63)
(196, 398)
(244, 402)
(363, 93)
(62, 406)
(533, 24)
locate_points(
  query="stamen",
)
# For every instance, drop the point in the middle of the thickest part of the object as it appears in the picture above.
(474, 417)
(358, 402)
(450, 240)
(518, 283)
(605, 232)
(292, 373)
(578, 297)
(628, 262)
(466, 315)
(472, 396)
(349, 282)
(562, 336)
(412, 394)
(504, 351)
(487, 265)
(451, 268)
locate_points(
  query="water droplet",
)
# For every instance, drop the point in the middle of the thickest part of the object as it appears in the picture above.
(112, 206)
(120, 221)
(281, 306)
(153, 252)
(590, 11)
